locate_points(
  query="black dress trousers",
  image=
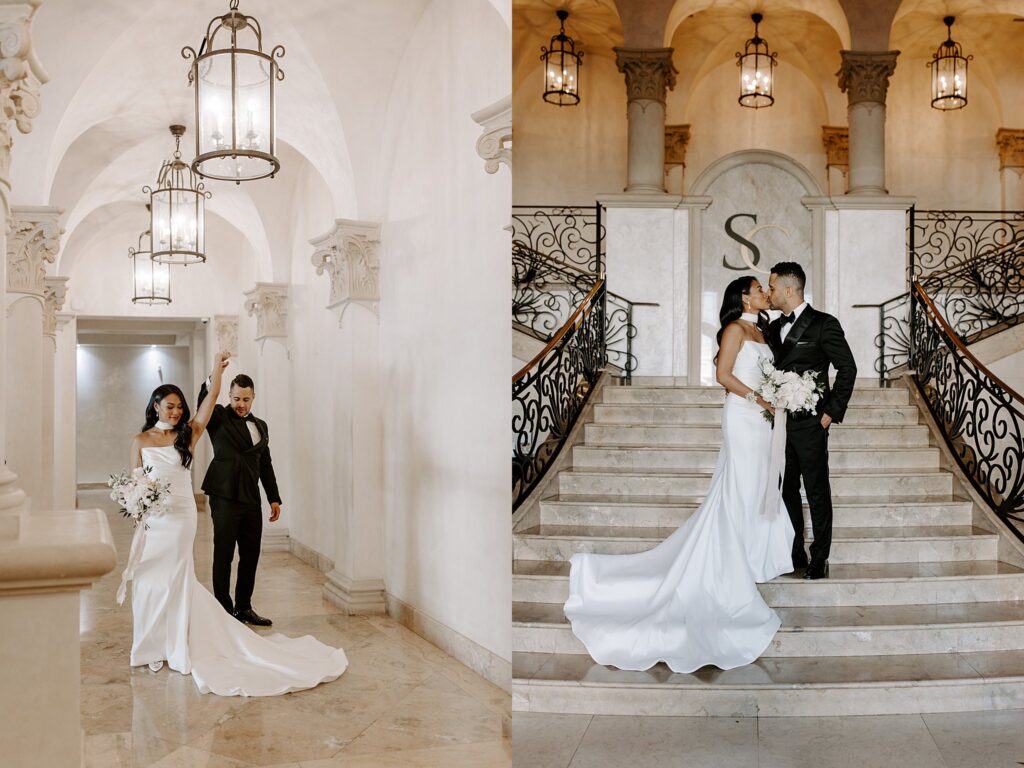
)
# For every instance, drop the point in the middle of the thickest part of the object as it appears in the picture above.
(235, 522)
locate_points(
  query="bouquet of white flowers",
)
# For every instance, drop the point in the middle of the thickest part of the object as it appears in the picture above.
(786, 390)
(138, 494)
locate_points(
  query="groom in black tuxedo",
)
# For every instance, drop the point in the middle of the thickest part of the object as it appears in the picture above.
(241, 460)
(804, 339)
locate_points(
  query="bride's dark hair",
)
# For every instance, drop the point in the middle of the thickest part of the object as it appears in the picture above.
(732, 305)
(183, 440)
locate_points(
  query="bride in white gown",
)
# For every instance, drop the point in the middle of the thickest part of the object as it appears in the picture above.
(174, 617)
(693, 600)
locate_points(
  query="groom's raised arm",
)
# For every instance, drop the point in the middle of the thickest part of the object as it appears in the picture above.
(833, 342)
(216, 414)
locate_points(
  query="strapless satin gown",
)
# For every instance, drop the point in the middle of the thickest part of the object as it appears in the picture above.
(693, 600)
(176, 619)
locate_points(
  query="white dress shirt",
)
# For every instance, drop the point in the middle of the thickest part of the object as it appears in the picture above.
(788, 326)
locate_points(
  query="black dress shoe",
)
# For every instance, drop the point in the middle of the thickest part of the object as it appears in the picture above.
(249, 616)
(818, 569)
(799, 561)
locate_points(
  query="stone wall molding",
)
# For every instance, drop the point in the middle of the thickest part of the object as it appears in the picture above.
(33, 240)
(864, 75)
(349, 255)
(649, 72)
(268, 303)
(495, 144)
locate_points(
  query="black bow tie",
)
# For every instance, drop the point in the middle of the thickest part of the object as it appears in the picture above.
(786, 320)
(247, 417)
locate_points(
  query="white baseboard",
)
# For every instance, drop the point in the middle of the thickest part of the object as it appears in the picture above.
(360, 597)
(275, 539)
(471, 654)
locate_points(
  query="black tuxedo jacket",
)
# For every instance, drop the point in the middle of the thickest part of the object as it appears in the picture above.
(238, 465)
(816, 341)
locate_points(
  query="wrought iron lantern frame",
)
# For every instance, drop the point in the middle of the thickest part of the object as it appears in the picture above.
(234, 22)
(562, 58)
(756, 57)
(949, 61)
(142, 259)
(177, 180)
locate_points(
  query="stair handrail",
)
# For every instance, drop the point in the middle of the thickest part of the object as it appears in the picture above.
(550, 391)
(980, 416)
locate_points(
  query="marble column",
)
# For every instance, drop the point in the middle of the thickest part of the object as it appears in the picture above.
(268, 303)
(55, 291)
(45, 558)
(348, 255)
(65, 461)
(33, 238)
(649, 74)
(1010, 142)
(864, 78)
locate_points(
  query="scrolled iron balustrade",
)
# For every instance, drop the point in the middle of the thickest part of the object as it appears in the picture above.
(972, 265)
(569, 235)
(981, 418)
(549, 393)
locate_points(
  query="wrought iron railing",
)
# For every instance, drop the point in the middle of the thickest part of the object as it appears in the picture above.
(972, 265)
(981, 418)
(551, 390)
(572, 236)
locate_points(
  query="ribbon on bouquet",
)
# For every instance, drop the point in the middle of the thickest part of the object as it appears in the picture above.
(134, 555)
(776, 465)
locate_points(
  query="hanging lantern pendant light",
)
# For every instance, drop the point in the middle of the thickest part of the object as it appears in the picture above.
(949, 72)
(177, 210)
(151, 280)
(757, 70)
(562, 67)
(235, 100)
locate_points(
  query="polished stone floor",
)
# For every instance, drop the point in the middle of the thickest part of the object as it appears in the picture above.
(960, 740)
(401, 703)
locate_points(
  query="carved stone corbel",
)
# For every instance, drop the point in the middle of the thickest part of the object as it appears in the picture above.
(56, 291)
(495, 144)
(225, 331)
(1010, 142)
(33, 240)
(268, 303)
(21, 75)
(348, 254)
(836, 139)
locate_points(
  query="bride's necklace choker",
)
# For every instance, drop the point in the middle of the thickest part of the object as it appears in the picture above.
(750, 317)
(163, 425)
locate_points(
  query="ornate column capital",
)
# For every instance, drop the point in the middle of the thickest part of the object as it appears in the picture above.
(225, 331)
(836, 139)
(268, 302)
(864, 75)
(33, 239)
(676, 139)
(55, 291)
(649, 72)
(495, 144)
(1011, 148)
(349, 255)
(21, 74)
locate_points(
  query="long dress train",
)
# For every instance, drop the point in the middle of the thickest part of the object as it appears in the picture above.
(176, 619)
(693, 599)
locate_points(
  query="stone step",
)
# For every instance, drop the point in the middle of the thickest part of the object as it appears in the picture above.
(711, 415)
(774, 687)
(828, 631)
(697, 457)
(662, 435)
(716, 395)
(983, 581)
(673, 511)
(610, 482)
(849, 545)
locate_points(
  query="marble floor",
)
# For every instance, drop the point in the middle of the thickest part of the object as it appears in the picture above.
(401, 703)
(958, 740)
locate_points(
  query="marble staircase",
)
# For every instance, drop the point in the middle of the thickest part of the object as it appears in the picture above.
(919, 615)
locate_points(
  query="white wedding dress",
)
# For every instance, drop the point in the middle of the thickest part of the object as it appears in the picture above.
(693, 599)
(176, 619)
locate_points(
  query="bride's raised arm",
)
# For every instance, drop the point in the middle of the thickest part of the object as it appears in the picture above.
(205, 410)
(732, 340)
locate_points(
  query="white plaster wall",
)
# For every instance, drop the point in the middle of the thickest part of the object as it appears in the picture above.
(114, 385)
(445, 272)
